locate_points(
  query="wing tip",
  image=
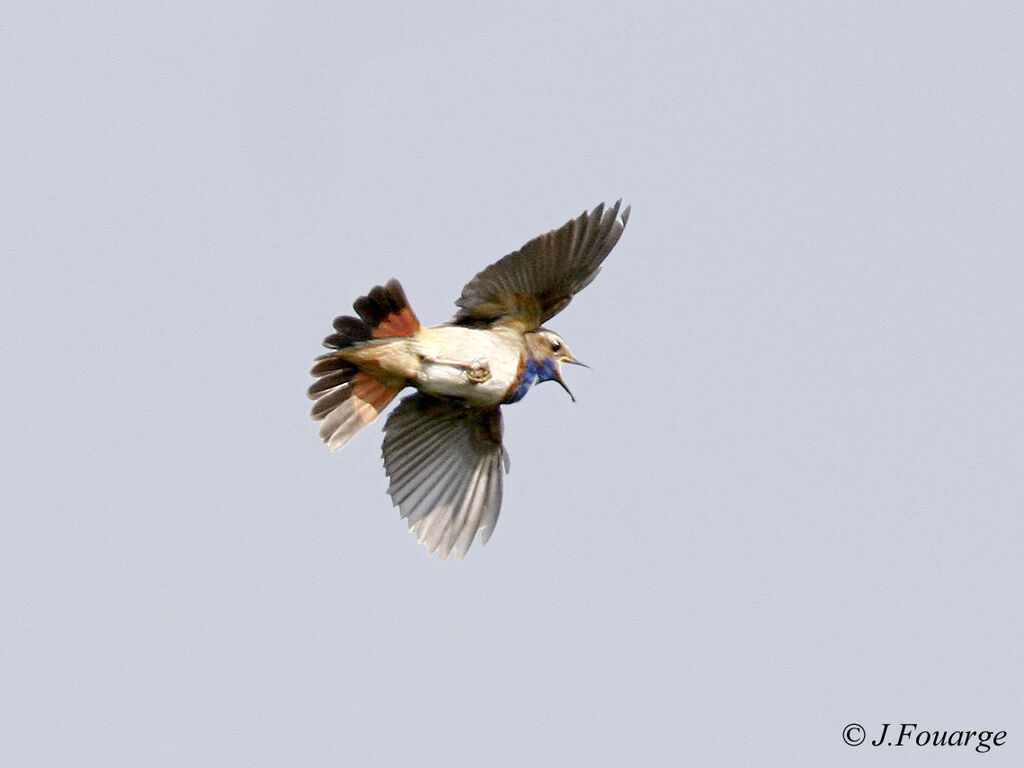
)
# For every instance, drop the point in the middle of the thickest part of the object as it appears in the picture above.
(616, 212)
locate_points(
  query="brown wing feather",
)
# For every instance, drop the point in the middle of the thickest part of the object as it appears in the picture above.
(531, 285)
(445, 464)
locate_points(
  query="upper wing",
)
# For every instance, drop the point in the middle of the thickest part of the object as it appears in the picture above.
(530, 285)
(445, 460)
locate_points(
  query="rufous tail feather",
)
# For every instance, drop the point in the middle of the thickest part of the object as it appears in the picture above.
(346, 398)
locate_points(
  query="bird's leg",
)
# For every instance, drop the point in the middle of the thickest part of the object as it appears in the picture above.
(477, 371)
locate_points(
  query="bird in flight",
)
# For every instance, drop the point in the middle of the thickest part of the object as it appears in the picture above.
(442, 445)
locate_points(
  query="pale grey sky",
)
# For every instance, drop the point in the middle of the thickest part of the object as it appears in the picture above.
(789, 495)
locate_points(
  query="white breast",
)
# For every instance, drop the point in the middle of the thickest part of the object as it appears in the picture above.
(477, 365)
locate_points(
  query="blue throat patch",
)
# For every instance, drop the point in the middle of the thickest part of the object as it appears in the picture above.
(533, 373)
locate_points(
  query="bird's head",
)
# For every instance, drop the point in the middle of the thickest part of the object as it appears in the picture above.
(548, 351)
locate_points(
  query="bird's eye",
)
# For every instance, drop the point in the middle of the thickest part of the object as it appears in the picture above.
(556, 346)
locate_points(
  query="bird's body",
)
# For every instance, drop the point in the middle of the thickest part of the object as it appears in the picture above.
(442, 445)
(477, 365)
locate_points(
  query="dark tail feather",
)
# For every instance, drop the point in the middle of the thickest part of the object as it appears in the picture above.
(346, 399)
(383, 313)
(350, 330)
(332, 372)
(387, 312)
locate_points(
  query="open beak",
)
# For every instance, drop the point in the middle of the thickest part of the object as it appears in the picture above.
(558, 374)
(560, 380)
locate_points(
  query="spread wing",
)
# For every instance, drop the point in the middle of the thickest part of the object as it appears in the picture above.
(530, 285)
(445, 464)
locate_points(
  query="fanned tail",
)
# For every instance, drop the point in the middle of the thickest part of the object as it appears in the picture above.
(346, 398)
